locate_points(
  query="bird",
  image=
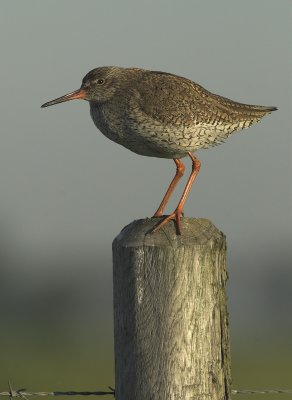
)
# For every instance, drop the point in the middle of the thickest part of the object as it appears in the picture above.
(160, 114)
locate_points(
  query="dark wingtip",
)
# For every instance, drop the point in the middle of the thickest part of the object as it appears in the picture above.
(267, 109)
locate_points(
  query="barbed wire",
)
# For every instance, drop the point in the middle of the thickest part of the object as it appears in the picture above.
(263, 391)
(23, 393)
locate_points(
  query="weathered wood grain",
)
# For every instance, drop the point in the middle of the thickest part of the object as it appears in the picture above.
(170, 313)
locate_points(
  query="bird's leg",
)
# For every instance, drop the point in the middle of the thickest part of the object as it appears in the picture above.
(175, 216)
(180, 169)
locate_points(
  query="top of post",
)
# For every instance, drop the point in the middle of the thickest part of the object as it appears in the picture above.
(195, 232)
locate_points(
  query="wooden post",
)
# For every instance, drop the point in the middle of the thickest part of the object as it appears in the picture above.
(170, 313)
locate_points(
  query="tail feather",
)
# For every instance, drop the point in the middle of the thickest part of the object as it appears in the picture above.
(241, 108)
(261, 109)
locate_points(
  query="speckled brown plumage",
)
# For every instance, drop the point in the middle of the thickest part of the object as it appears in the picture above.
(163, 115)
(158, 114)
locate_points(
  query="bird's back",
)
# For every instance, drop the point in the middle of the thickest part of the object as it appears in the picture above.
(184, 113)
(166, 96)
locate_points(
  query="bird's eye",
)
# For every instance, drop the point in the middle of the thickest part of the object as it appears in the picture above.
(100, 81)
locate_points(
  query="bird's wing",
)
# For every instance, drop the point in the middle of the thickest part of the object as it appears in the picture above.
(170, 99)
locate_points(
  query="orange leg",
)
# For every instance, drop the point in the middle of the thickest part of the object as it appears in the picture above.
(180, 169)
(175, 216)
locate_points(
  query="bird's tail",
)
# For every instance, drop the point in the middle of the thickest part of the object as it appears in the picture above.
(259, 109)
(241, 109)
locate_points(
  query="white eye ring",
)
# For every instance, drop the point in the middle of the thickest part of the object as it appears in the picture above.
(100, 81)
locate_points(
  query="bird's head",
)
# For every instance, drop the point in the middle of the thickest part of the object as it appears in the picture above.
(98, 86)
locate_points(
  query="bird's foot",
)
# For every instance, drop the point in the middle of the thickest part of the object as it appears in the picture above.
(175, 216)
(160, 214)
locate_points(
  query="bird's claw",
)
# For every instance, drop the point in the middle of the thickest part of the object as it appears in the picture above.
(175, 216)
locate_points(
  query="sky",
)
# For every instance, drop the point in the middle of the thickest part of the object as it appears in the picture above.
(67, 191)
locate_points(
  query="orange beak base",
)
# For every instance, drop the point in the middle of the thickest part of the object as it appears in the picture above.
(78, 94)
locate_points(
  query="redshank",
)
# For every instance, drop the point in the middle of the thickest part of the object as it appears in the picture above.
(158, 114)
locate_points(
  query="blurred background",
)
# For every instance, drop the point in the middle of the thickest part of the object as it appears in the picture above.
(67, 191)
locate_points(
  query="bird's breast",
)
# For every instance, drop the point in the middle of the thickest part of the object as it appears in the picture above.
(108, 121)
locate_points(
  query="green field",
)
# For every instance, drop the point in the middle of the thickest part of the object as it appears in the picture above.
(40, 360)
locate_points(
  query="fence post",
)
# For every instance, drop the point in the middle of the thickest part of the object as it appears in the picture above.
(170, 313)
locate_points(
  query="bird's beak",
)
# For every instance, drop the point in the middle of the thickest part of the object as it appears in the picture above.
(78, 94)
